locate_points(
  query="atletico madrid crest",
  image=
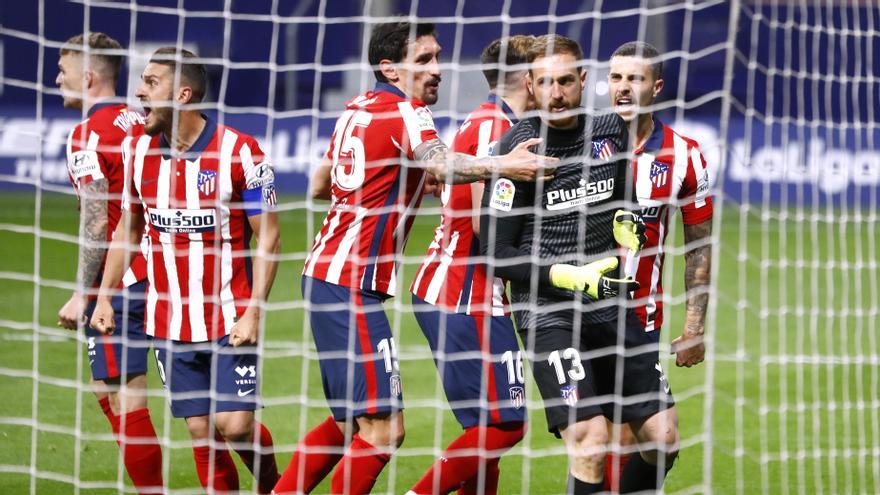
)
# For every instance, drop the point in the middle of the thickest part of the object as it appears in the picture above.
(570, 395)
(394, 385)
(207, 181)
(517, 397)
(603, 149)
(659, 174)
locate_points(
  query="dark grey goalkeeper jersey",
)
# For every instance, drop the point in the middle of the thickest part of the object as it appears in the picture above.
(565, 220)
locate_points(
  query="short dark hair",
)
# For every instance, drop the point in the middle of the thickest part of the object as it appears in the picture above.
(389, 41)
(642, 50)
(555, 44)
(109, 63)
(192, 73)
(516, 52)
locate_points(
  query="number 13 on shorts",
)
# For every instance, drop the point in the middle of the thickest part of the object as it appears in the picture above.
(570, 354)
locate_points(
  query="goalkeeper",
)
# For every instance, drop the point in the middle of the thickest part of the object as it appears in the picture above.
(553, 240)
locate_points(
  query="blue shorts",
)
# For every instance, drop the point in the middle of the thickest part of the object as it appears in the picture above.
(123, 354)
(357, 353)
(203, 378)
(482, 371)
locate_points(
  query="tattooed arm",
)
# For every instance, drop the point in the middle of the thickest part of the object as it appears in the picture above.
(93, 239)
(458, 168)
(698, 264)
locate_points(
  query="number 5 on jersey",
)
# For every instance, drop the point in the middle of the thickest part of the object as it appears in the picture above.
(349, 160)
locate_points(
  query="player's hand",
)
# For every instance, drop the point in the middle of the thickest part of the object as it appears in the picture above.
(523, 165)
(591, 279)
(629, 230)
(689, 349)
(70, 316)
(246, 330)
(102, 316)
(432, 186)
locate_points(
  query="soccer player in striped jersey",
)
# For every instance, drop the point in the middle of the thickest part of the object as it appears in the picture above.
(202, 189)
(670, 172)
(95, 168)
(381, 151)
(461, 310)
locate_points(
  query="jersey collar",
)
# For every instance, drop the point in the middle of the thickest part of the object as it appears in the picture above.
(655, 140)
(497, 101)
(99, 106)
(390, 88)
(198, 147)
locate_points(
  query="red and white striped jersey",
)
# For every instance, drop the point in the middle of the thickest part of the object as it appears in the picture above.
(196, 207)
(94, 152)
(448, 277)
(669, 172)
(374, 193)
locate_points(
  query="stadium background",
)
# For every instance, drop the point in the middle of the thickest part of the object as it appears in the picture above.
(783, 97)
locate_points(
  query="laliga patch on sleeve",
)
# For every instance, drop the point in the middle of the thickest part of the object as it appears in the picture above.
(425, 119)
(84, 164)
(502, 195)
(260, 175)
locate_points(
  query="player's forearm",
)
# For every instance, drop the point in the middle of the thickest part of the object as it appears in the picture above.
(123, 249)
(697, 278)
(499, 243)
(319, 186)
(451, 167)
(93, 232)
(265, 264)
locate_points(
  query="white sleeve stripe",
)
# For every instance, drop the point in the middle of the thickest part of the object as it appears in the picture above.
(140, 152)
(699, 170)
(70, 144)
(680, 165)
(94, 140)
(483, 138)
(247, 159)
(92, 145)
(411, 121)
(126, 173)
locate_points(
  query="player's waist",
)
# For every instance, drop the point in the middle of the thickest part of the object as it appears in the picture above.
(180, 242)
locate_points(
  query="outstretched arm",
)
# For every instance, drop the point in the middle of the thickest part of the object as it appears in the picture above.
(698, 266)
(459, 168)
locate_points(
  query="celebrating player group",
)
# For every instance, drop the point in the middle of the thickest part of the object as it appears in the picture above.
(548, 249)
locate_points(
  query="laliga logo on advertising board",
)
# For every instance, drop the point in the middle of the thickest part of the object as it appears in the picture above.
(812, 162)
(831, 169)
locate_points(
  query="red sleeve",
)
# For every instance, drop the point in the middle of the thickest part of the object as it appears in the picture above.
(696, 201)
(253, 170)
(85, 161)
(464, 141)
(418, 125)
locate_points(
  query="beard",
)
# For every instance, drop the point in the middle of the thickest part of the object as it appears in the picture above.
(157, 121)
(72, 102)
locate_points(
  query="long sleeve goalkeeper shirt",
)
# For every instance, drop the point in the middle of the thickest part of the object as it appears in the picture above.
(527, 227)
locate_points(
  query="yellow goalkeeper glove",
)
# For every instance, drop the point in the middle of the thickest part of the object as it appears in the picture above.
(591, 279)
(629, 230)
